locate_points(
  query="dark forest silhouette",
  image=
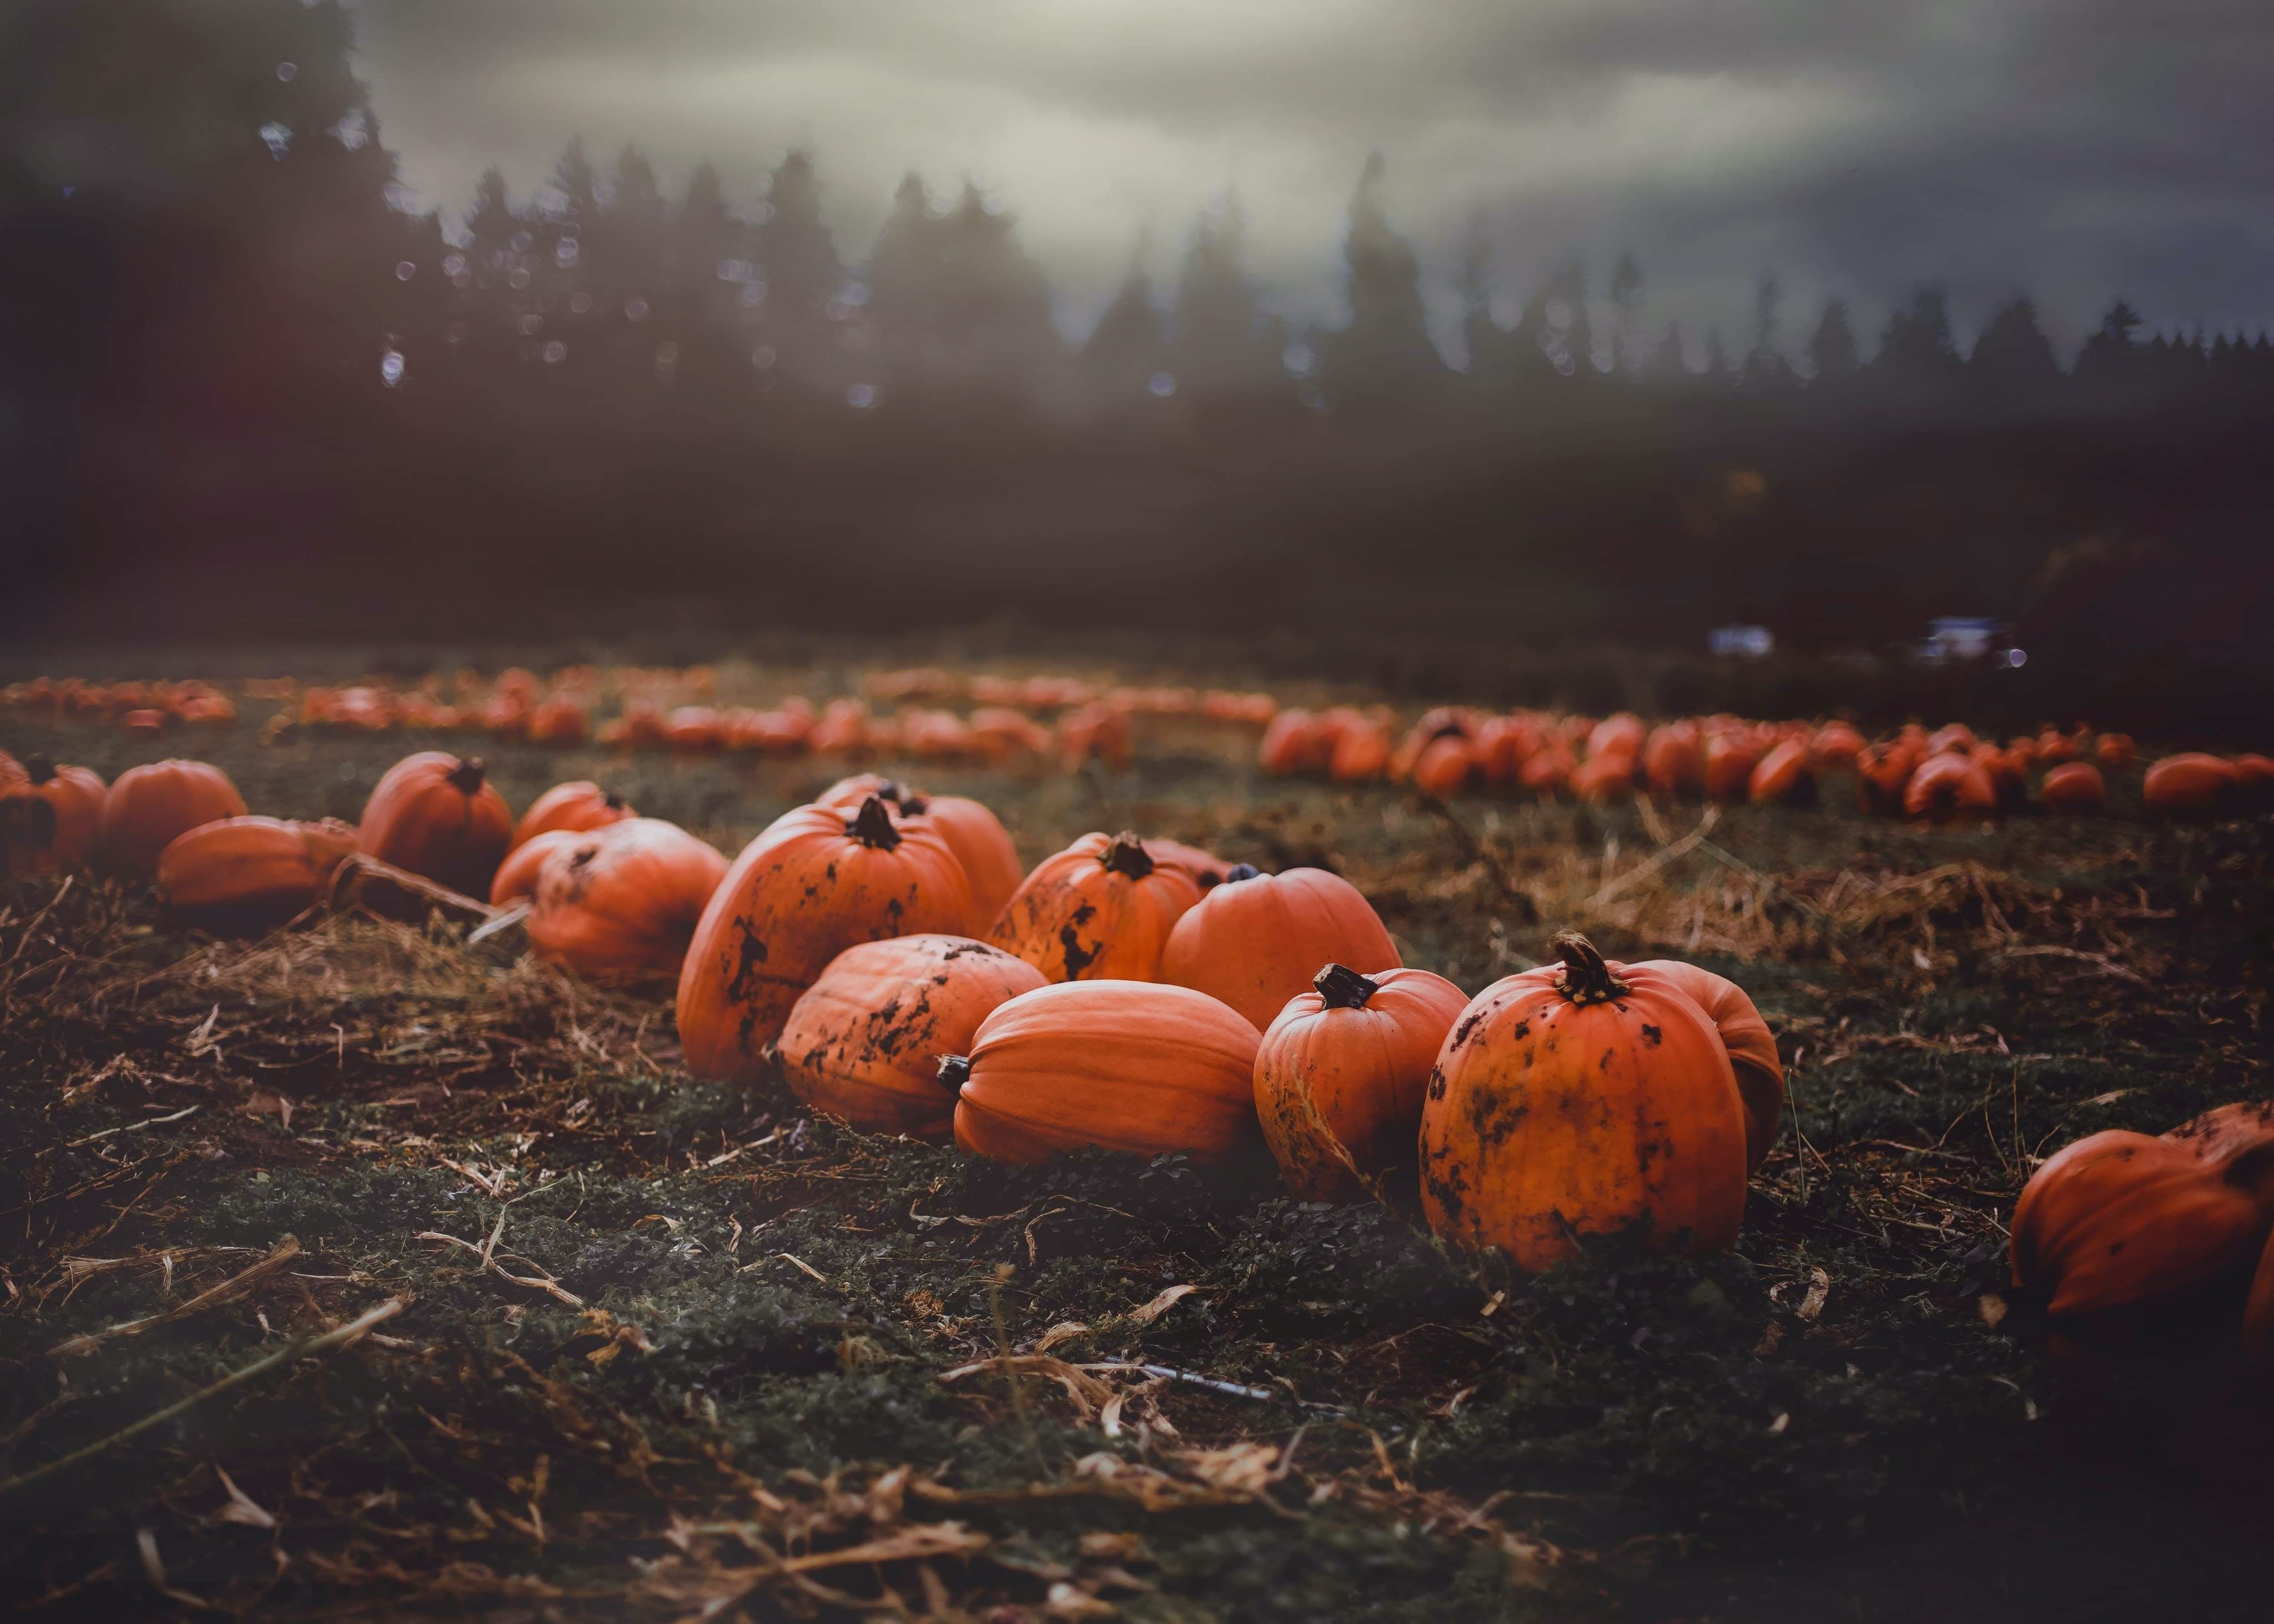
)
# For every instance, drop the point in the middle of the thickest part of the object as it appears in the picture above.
(246, 389)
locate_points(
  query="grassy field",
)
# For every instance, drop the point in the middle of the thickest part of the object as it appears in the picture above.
(670, 1346)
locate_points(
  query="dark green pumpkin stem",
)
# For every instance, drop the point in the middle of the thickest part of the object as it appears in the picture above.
(466, 777)
(954, 1071)
(1126, 854)
(872, 825)
(1586, 978)
(40, 768)
(1343, 989)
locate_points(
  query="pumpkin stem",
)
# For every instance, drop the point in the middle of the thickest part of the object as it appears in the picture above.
(1343, 989)
(872, 825)
(1240, 871)
(912, 803)
(613, 801)
(466, 777)
(39, 768)
(954, 1071)
(1126, 854)
(1586, 978)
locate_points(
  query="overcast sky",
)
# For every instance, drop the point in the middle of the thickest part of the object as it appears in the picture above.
(2079, 148)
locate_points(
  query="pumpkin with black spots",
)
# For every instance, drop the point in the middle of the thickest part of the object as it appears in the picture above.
(148, 805)
(438, 815)
(619, 903)
(51, 820)
(1100, 910)
(1258, 939)
(972, 830)
(1751, 1048)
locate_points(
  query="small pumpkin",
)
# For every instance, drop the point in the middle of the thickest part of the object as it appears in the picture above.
(618, 903)
(865, 1040)
(1751, 1048)
(1621, 735)
(576, 806)
(147, 807)
(817, 882)
(2116, 751)
(1341, 1073)
(51, 821)
(1783, 775)
(1882, 772)
(247, 875)
(1257, 940)
(1674, 761)
(438, 816)
(1134, 1067)
(1835, 746)
(1445, 765)
(2073, 787)
(1730, 758)
(1100, 910)
(1294, 742)
(1361, 752)
(1949, 788)
(1577, 1100)
(1599, 780)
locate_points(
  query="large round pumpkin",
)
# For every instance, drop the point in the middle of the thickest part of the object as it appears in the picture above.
(866, 1040)
(972, 833)
(1341, 1073)
(815, 882)
(51, 821)
(1135, 1066)
(613, 904)
(1257, 941)
(247, 875)
(1579, 1100)
(148, 805)
(1948, 787)
(437, 815)
(1750, 1047)
(2190, 784)
(1100, 910)
(574, 807)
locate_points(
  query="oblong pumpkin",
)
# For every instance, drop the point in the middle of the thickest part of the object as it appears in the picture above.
(247, 875)
(1577, 1100)
(2189, 785)
(866, 1040)
(814, 883)
(1100, 910)
(1751, 1045)
(438, 815)
(1135, 1066)
(1342, 1073)
(575, 806)
(148, 805)
(1781, 775)
(1256, 942)
(51, 819)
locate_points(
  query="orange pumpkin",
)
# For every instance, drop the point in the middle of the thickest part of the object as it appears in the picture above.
(1341, 1073)
(2127, 1238)
(2116, 751)
(1546, 771)
(2073, 787)
(12, 776)
(1100, 910)
(1882, 772)
(1835, 746)
(1617, 735)
(1504, 744)
(1098, 731)
(974, 834)
(2191, 785)
(1673, 761)
(1134, 1066)
(1781, 775)
(1730, 758)
(865, 1041)
(814, 883)
(1258, 939)
(1750, 1047)
(51, 820)
(1602, 779)
(436, 814)
(147, 805)
(1948, 787)
(1361, 752)
(616, 902)
(1578, 1101)
(1445, 765)
(247, 875)
(1294, 742)
(574, 807)
(1207, 870)
(558, 722)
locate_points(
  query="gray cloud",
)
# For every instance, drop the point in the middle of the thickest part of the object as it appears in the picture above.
(2076, 147)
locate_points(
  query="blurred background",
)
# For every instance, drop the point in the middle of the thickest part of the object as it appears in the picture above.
(1607, 353)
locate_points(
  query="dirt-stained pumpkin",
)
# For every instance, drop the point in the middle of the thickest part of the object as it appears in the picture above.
(574, 807)
(51, 820)
(148, 805)
(619, 903)
(1340, 1077)
(1580, 1099)
(438, 815)
(866, 1040)
(1751, 1045)
(1258, 939)
(1100, 910)
(1135, 1066)
(247, 875)
(972, 830)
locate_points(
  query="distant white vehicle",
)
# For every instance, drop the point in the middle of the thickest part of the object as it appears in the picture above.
(1741, 642)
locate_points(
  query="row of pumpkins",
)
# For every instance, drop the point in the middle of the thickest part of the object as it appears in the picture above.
(1942, 776)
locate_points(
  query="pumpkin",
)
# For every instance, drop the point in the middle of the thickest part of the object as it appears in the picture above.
(815, 882)
(2073, 787)
(1882, 772)
(1134, 1067)
(1781, 775)
(1294, 742)
(2191, 785)
(1957, 736)
(1100, 910)
(1546, 771)
(1836, 745)
(51, 820)
(1257, 940)
(2127, 1238)
(866, 1040)
(1341, 1073)
(147, 805)
(1504, 743)
(1730, 758)
(1945, 788)
(576, 806)
(558, 722)
(1673, 761)
(1621, 735)
(1445, 765)
(12, 776)
(1602, 779)
(1579, 1100)
(1207, 870)
(2116, 751)
(437, 815)
(1099, 732)
(247, 875)
(1745, 1037)
(616, 902)
(1361, 753)
(974, 834)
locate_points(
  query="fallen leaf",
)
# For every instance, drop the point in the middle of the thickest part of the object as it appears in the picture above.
(1162, 1304)
(1820, 1287)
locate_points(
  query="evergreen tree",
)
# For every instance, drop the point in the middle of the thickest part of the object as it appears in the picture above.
(1126, 351)
(2109, 365)
(1220, 345)
(1765, 367)
(2013, 360)
(799, 332)
(716, 290)
(1832, 350)
(1385, 350)
(1626, 303)
(1918, 361)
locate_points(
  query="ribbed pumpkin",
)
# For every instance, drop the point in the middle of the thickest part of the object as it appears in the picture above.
(1948, 787)
(2073, 787)
(972, 833)
(247, 875)
(574, 807)
(815, 882)
(1342, 1073)
(1781, 775)
(866, 1040)
(2191, 784)
(613, 904)
(1100, 910)
(1750, 1047)
(1132, 1066)
(147, 805)
(2128, 1238)
(51, 820)
(1258, 939)
(1576, 1101)
(1673, 760)
(436, 814)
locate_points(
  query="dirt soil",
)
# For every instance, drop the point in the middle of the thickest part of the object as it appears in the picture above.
(668, 1348)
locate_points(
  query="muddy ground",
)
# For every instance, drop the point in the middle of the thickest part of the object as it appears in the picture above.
(666, 1346)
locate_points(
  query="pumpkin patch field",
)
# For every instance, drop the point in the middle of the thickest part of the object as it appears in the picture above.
(842, 1142)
